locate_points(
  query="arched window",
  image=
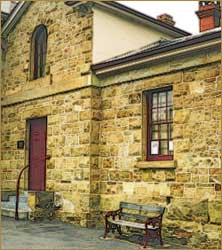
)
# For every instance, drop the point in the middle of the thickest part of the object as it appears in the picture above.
(38, 52)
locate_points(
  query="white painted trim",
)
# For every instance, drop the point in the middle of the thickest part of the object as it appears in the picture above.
(157, 57)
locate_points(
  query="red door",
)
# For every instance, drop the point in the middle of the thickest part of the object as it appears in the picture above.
(37, 154)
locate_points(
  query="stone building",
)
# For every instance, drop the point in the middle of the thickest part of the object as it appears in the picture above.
(106, 104)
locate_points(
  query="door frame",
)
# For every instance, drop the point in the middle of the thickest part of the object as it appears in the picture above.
(28, 126)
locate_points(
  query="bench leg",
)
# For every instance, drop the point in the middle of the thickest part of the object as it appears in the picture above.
(145, 239)
(161, 240)
(106, 229)
(119, 229)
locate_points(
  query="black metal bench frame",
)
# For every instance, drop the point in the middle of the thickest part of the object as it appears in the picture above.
(152, 225)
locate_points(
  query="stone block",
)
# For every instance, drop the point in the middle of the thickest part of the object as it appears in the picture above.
(114, 137)
(182, 145)
(135, 123)
(106, 104)
(146, 176)
(213, 232)
(135, 98)
(85, 115)
(183, 177)
(176, 190)
(108, 114)
(170, 175)
(196, 88)
(134, 149)
(181, 116)
(108, 163)
(128, 188)
(189, 76)
(158, 175)
(188, 211)
(31, 200)
(215, 211)
(164, 189)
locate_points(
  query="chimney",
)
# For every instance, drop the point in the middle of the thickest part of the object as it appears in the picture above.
(209, 15)
(166, 18)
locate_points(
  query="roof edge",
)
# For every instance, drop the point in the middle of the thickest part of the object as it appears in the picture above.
(147, 17)
(157, 50)
(21, 7)
(138, 14)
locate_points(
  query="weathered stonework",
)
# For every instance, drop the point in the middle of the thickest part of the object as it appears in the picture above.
(69, 57)
(192, 179)
(96, 129)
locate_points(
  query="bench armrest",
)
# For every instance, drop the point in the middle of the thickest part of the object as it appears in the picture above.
(113, 213)
(154, 221)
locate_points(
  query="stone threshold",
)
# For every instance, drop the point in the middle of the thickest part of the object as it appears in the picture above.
(157, 164)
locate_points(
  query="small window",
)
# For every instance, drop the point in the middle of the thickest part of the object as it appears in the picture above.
(38, 52)
(160, 124)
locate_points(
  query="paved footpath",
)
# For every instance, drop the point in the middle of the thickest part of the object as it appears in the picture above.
(58, 235)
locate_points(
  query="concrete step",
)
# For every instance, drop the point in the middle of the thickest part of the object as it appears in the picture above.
(22, 198)
(9, 212)
(8, 208)
(10, 204)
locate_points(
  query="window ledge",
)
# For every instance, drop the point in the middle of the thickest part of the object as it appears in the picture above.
(38, 83)
(156, 164)
(41, 79)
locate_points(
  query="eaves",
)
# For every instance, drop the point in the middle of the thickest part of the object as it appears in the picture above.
(158, 53)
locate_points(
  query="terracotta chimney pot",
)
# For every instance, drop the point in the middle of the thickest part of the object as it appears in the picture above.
(166, 18)
(209, 15)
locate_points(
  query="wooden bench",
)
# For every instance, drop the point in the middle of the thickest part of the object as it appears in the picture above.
(145, 217)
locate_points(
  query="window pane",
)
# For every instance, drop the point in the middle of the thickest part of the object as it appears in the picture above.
(170, 113)
(154, 132)
(160, 144)
(154, 100)
(164, 148)
(154, 147)
(163, 131)
(162, 99)
(162, 114)
(154, 115)
(39, 51)
(171, 147)
(169, 98)
(171, 131)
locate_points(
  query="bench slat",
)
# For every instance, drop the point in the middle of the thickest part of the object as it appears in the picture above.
(152, 209)
(133, 216)
(145, 208)
(132, 224)
(127, 205)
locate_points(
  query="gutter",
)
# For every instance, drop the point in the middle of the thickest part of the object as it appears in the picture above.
(157, 53)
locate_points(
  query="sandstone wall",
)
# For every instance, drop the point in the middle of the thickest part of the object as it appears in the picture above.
(68, 143)
(69, 52)
(69, 56)
(95, 135)
(192, 180)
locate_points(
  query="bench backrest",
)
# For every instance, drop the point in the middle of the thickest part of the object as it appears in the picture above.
(142, 208)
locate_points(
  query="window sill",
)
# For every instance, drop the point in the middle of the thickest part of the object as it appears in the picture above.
(157, 164)
(38, 83)
(40, 79)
